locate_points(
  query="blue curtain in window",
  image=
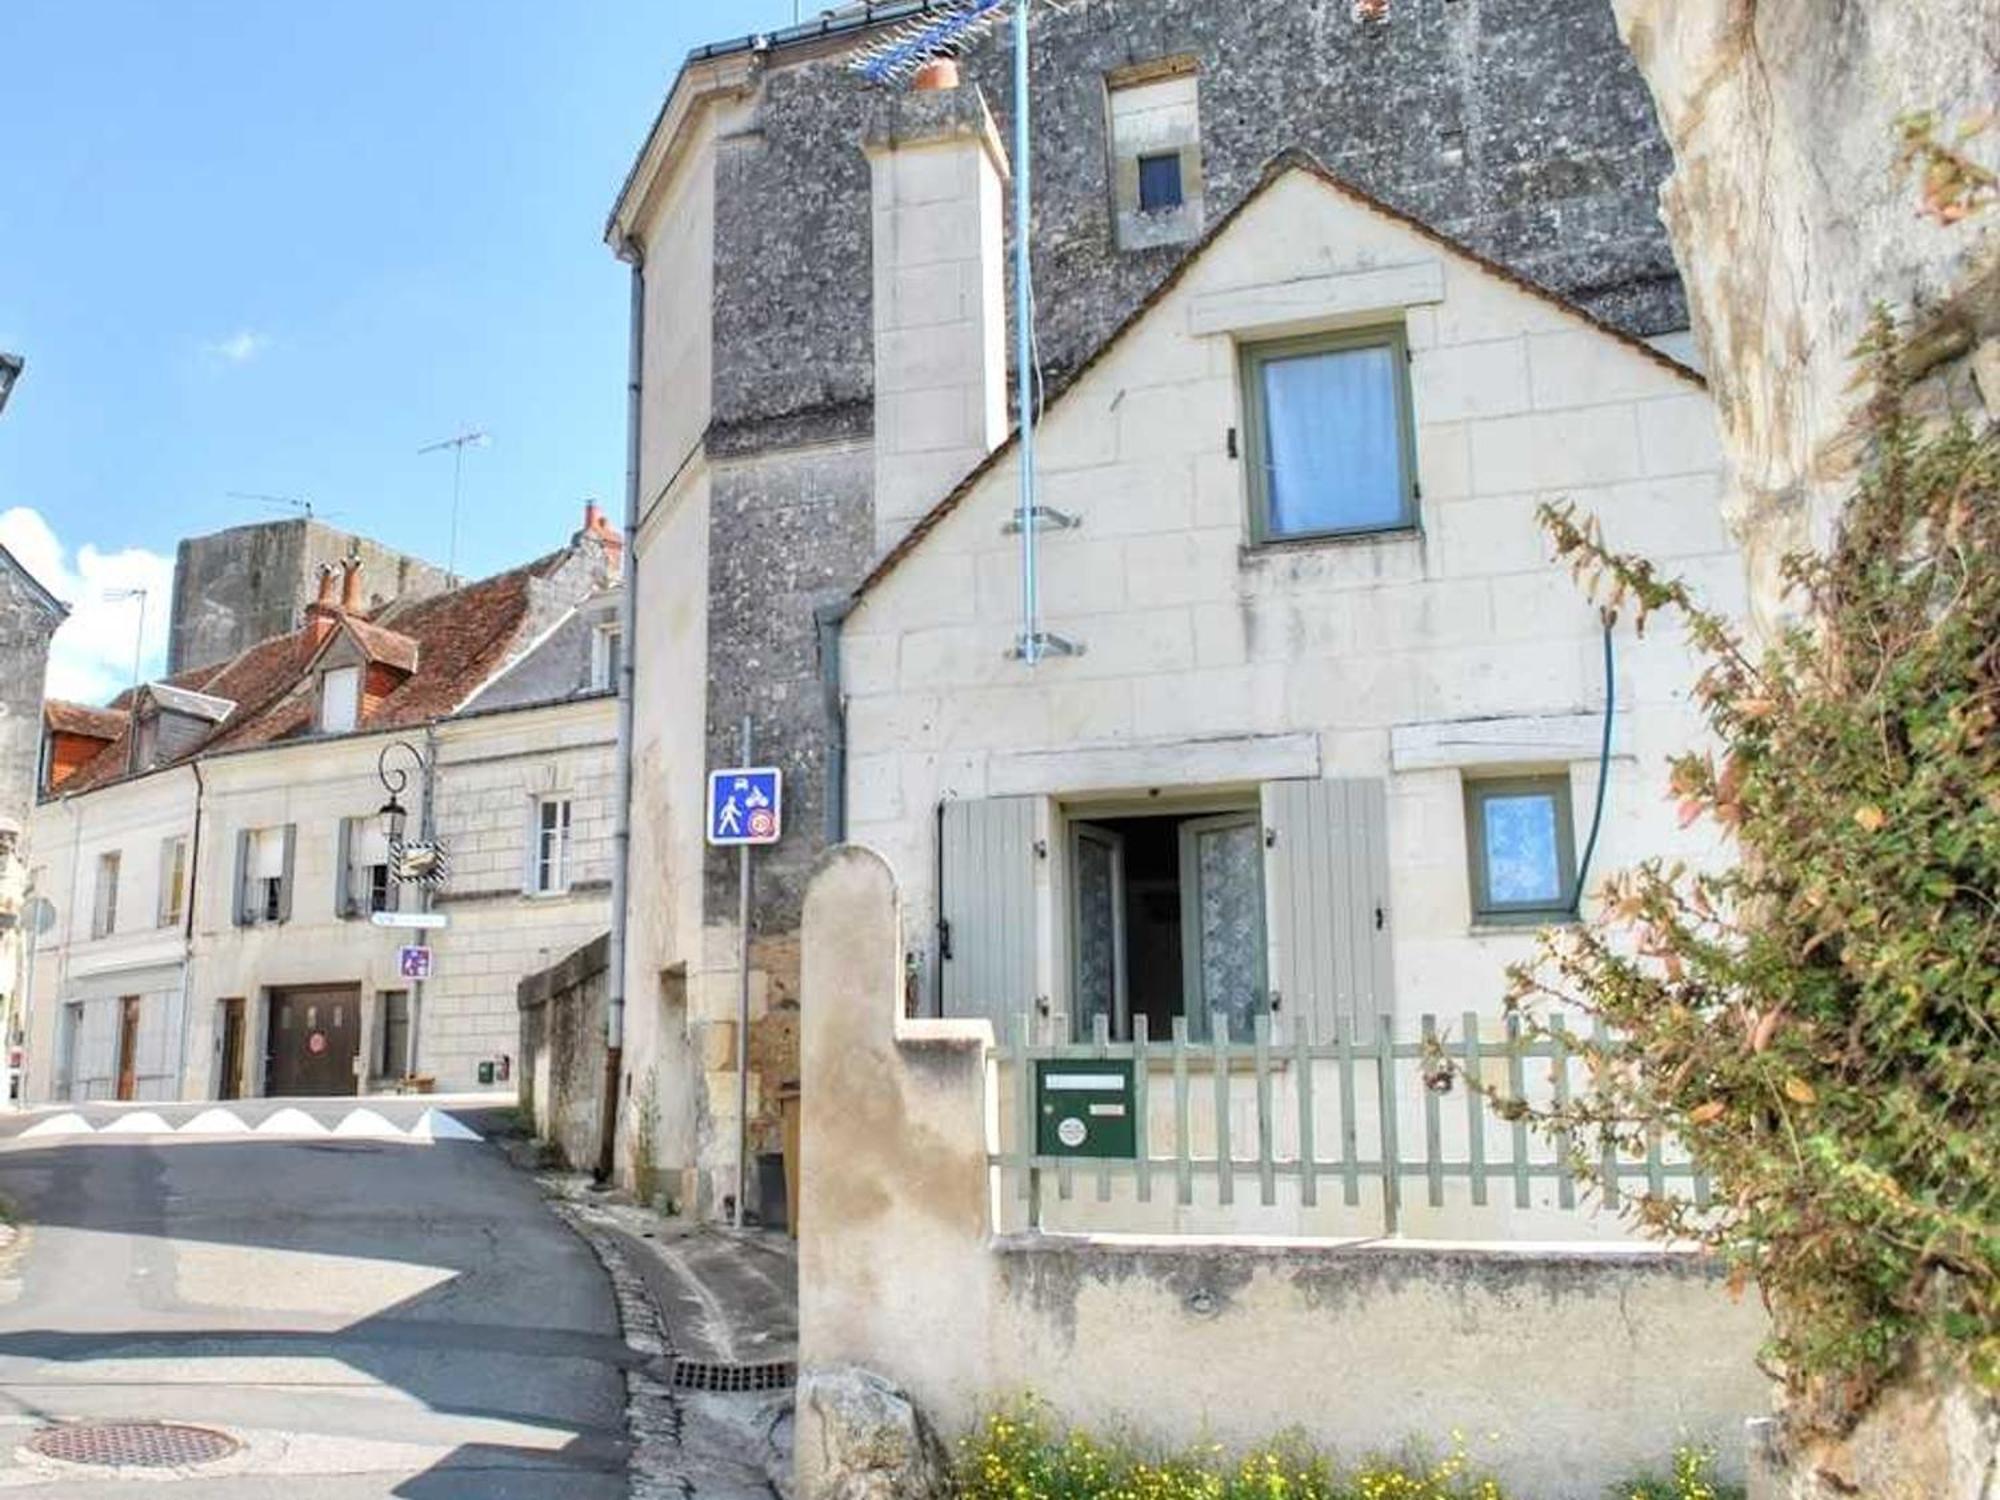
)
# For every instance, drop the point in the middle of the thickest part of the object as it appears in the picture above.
(1334, 444)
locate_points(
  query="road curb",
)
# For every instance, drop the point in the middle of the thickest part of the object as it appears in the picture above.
(652, 1414)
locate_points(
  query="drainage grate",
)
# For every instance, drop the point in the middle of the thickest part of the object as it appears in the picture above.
(133, 1445)
(716, 1375)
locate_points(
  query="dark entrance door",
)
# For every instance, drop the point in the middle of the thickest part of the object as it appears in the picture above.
(232, 1051)
(315, 1036)
(128, 1047)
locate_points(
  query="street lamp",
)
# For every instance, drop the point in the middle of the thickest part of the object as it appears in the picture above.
(395, 780)
(10, 371)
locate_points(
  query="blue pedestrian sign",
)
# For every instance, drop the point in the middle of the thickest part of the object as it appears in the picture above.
(745, 806)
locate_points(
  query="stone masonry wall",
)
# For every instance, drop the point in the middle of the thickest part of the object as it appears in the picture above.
(240, 586)
(1521, 128)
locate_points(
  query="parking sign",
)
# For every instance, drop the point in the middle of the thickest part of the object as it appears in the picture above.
(745, 806)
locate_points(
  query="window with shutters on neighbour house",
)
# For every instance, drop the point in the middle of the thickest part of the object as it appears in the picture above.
(549, 847)
(104, 908)
(1329, 442)
(365, 884)
(173, 881)
(265, 861)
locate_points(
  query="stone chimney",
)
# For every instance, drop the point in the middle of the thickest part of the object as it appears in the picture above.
(597, 529)
(939, 175)
(325, 610)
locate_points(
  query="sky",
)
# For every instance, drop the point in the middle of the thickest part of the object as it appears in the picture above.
(274, 247)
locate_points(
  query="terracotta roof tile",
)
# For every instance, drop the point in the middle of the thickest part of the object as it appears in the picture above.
(452, 643)
(81, 719)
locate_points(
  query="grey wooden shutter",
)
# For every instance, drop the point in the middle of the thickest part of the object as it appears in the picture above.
(1326, 902)
(291, 862)
(242, 877)
(344, 902)
(986, 906)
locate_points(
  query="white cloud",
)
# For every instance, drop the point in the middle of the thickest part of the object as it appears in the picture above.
(91, 660)
(239, 348)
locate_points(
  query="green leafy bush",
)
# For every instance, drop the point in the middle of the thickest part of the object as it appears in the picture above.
(1819, 1023)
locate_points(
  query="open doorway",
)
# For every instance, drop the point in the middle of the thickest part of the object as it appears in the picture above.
(1167, 920)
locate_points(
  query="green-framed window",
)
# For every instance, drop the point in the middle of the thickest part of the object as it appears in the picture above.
(1331, 449)
(1522, 845)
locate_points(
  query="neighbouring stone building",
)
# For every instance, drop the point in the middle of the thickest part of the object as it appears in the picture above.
(768, 483)
(215, 847)
(237, 587)
(29, 618)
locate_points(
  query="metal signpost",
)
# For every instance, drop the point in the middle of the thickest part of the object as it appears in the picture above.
(745, 809)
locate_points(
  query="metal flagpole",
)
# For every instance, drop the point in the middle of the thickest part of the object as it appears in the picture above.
(743, 1008)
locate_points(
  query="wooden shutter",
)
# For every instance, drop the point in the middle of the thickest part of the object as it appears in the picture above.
(243, 836)
(291, 865)
(345, 903)
(1326, 902)
(986, 904)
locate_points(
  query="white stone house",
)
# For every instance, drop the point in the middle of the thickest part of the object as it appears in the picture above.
(215, 866)
(1329, 746)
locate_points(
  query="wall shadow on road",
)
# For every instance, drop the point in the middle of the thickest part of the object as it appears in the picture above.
(436, 1271)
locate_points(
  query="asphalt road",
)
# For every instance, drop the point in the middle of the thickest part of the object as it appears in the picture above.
(367, 1316)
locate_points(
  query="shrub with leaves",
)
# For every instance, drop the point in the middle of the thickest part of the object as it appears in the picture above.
(1820, 1023)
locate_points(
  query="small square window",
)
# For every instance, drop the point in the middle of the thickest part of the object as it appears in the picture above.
(1160, 182)
(1523, 848)
(1330, 444)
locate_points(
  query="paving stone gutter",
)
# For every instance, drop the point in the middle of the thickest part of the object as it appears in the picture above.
(713, 1318)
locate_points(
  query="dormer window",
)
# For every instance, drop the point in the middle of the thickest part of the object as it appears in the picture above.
(605, 641)
(339, 700)
(1155, 139)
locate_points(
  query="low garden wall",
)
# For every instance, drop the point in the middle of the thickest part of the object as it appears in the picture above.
(562, 1050)
(1563, 1366)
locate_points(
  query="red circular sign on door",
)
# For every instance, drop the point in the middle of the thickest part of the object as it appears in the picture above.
(316, 1043)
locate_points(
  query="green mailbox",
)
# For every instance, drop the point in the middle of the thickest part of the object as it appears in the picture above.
(1085, 1108)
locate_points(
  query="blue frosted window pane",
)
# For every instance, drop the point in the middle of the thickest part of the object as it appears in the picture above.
(1334, 452)
(1522, 865)
(1160, 182)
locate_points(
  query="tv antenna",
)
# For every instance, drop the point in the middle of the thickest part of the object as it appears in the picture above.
(471, 438)
(946, 31)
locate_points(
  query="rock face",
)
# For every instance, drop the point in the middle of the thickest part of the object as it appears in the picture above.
(1925, 1440)
(860, 1438)
(1791, 220)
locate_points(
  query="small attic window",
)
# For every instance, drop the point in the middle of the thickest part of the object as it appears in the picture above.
(339, 700)
(1155, 136)
(1159, 182)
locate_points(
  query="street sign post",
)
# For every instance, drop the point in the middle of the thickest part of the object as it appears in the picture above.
(421, 919)
(413, 962)
(745, 806)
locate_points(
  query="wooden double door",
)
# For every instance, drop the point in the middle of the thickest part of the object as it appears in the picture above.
(313, 1041)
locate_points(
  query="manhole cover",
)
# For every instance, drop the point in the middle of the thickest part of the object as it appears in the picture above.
(133, 1445)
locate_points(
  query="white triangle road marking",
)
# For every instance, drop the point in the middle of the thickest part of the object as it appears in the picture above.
(140, 1122)
(436, 1125)
(215, 1122)
(291, 1122)
(69, 1122)
(366, 1124)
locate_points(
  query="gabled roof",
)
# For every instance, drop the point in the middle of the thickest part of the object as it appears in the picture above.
(391, 648)
(56, 609)
(1278, 167)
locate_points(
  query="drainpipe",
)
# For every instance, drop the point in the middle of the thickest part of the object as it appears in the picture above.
(187, 921)
(629, 251)
(829, 618)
